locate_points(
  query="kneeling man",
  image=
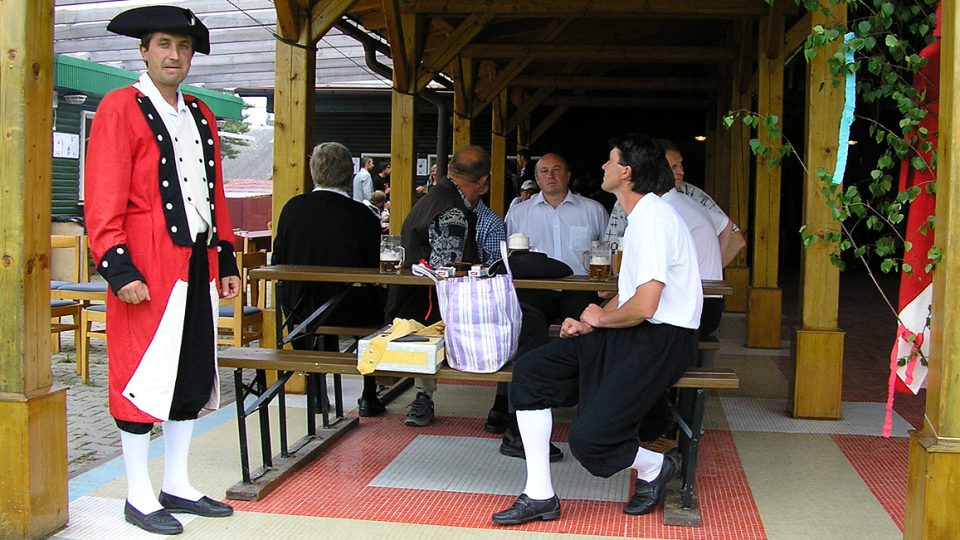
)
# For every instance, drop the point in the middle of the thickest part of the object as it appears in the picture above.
(616, 361)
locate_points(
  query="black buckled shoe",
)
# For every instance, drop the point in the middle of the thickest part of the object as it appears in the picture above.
(526, 509)
(647, 495)
(512, 446)
(205, 506)
(369, 407)
(496, 421)
(159, 522)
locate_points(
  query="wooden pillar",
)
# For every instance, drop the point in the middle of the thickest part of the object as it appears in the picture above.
(764, 298)
(33, 423)
(818, 375)
(403, 156)
(498, 153)
(294, 98)
(934, 470)
(462, 103)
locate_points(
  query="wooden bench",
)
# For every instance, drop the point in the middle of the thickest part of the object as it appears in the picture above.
(689, 411)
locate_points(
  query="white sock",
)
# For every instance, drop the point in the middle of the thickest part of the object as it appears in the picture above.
(647, 464)
(535, 427)
(136, 451)
(176, 450)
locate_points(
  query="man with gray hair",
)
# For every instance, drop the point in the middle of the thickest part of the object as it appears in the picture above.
(326, 228)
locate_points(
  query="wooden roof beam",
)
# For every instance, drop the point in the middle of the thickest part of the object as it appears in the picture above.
(628, 102)
(602, 53)
(775, 30)
(289, 18)
(687, 9)
(451, 47)
(615, 83)
(324, 14)
(516, 67)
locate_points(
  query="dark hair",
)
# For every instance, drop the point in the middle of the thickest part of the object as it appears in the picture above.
(645, 156)
(384, 166)
(525, 153)
(471, 162)
(667, 144)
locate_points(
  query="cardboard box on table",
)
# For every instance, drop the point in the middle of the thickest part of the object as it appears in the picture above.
(410, 357)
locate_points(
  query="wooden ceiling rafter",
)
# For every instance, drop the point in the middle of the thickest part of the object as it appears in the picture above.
(616, 83)
(451, 47)
(324, 14)
(707, 9)
(602, 53)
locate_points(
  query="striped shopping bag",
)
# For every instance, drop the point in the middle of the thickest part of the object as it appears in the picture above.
(482, 319)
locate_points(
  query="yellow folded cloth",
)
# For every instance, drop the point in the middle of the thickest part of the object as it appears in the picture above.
(378, 345)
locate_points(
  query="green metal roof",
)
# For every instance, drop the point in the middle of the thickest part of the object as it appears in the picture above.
(93, 78)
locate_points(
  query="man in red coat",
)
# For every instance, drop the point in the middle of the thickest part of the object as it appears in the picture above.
(161, 237)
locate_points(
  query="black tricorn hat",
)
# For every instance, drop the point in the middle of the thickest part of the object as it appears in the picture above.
(175, 20)
(532, 265)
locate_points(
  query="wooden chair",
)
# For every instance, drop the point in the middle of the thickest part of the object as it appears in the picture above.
(241, 318)
(94, 313)
(58, 310)
(76, 272)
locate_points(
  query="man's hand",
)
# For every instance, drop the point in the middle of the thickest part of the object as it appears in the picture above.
(134, 292)
(591, 315)
(606, 295)
(572, 328)
(230, 286)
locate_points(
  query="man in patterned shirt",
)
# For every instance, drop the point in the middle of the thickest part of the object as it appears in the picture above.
(440, 229)
(490, 232)
(729, 235)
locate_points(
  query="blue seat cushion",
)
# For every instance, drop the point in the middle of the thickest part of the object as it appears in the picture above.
(93, 286)
(99, 308)
(54, 284)
(227, 311)
(62, 303)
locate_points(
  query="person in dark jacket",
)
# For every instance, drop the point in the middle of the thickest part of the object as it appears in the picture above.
(326, 227)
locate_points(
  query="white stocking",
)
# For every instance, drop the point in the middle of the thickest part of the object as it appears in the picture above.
(136, 451)
(176, 449)
(647, 464)
(535, 427)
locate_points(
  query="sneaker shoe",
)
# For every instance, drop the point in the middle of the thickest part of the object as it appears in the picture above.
(421, 411)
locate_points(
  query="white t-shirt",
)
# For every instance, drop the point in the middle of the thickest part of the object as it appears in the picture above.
(658, 246)
(563, 233)
(697, 219)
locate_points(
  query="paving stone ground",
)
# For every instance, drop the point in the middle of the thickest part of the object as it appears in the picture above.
(92, 435)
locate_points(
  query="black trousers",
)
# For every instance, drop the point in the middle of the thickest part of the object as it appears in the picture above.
(613, 376)
(195, 370)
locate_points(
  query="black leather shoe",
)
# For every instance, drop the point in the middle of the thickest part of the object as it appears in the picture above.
(526, 509)
(496, 421)
(647, 495)
(205, 507)
(370, 407)
(512, 446)
(159, 522)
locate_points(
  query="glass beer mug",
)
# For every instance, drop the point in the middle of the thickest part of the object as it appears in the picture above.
(391, 254)
(597, 260)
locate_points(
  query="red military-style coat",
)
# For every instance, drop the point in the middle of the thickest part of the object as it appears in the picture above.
(138, 230)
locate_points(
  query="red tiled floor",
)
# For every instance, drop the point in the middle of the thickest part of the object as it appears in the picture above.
(335, 485)
(882, 463)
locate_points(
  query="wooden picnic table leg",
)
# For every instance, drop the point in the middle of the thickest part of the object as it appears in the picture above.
(264, 414)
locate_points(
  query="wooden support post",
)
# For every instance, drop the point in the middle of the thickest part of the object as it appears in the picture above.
(33, 422)
(934, 469)
(465, 78)
(403, 156)
(818, 377)
(738, 273)
(764, 297)
(498, 154)
(294, 96)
